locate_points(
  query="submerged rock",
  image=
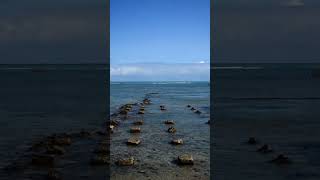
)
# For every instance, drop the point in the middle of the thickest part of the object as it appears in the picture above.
(197, 112)
(135, 130)
(281, 159)
(252, 141)
(169, 122)
(53, 175)
(193, 108)
(177, 142)
(125, 161)
(162, 108)
(43, 160)
(172, 130)
(188, 105)
(185, 159)
(139, 122)
(133, 141)
(141, 112)
(265, 149)
(55, 150)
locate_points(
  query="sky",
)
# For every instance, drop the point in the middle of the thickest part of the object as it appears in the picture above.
(47, 31)
(272, 31)
(160, 40)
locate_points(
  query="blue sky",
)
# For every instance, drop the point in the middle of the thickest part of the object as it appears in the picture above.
(159, 35)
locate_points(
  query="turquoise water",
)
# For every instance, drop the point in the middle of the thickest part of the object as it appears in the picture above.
(155, 154)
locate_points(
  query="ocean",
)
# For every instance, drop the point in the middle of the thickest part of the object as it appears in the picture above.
(278, 104)
(40, 100)
(155, 155)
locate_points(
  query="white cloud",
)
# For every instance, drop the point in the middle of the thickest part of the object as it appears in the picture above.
(141, 72)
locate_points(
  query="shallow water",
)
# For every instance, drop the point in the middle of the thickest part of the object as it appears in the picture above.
(155, 155)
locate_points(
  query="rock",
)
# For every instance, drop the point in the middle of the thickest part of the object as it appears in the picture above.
(252, 141)
(162, 108)
(265, 149)
(172, 130)
(185, 159)
(169, 122)
(188, 105)
(139, 122)
(100, 160)
(281, 159)
(125, 161)
(114, 123)
(133, 141)
(102, 150)
(43, 160)
(193, 108)
(177, 142)
(53, 175)
(197, 112)
(208, 122)
(135, 130)
(111, 127)
(141, 112)
(55, 150)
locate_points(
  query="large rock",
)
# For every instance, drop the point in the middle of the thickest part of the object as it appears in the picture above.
(133, 141)
(135, 130)
(125, 161)
(185, 159)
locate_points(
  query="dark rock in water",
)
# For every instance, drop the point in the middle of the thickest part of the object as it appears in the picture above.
(252, 141)
(141, 112)
(208, 122)
(172, 130)
(197, 112)
(125, 161)
(188, 105)
(133, 141)
(185, 159)
(139, 122)
(169, 122)
(177, 142)
(100, 160)
(53, 175)
(43, 160)
(146, 101)
(55, 150)
(114, 123)
(265, 149)
(193, 108)
(162, 108)
(281, 159)
(135, 130)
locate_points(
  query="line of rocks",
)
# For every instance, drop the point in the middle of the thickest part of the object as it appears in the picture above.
(280, 159)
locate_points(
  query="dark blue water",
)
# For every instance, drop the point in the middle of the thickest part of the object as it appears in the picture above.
(38, 100)
(276, 103)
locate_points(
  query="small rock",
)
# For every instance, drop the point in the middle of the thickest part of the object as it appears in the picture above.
(135, 130)
(252, 141)
(133, 141)
(141, 112)
(55, 150)
(53, 175)
(208, 122)
(177, 141)
(193, 108)
(172, 130)
(185, 159)
(139, 122)
(281, 159)
(197, 112)
(265, 149)
(169, 122)
(188, 105)
(125, 161)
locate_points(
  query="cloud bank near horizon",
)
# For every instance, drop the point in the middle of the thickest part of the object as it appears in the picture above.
(161, 72)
